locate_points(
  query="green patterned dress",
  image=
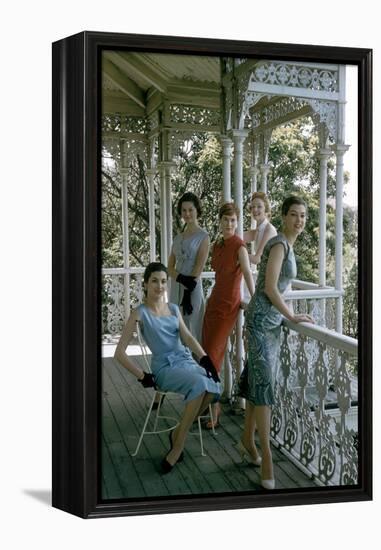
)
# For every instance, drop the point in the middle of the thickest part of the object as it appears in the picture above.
(263, 322)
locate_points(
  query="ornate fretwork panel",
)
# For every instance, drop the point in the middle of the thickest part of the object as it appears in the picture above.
(187, 114)
(113, 304)
(135, 125)
(116, 289)
(124, 137)
(247, 101)
(271, 114)
(111, 123)
(297, 76)
(314, 418)
(117, 122)
(327, 112)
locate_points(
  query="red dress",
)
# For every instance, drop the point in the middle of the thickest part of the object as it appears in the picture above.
(224, 302)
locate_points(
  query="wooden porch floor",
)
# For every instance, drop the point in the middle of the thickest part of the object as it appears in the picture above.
(124, 406)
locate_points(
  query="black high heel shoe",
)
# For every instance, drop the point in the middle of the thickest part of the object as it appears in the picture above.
(181, 457)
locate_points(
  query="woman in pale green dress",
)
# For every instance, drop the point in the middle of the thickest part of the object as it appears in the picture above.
(264, 318)
(186, 262)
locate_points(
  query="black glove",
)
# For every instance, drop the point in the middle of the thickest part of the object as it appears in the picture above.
(147, 381)
(206, 362)
(187, 281)
(186, 302)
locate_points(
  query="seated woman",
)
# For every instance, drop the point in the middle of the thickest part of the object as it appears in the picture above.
(172, 365)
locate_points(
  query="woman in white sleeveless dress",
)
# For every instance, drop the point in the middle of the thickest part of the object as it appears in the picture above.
(264, 231)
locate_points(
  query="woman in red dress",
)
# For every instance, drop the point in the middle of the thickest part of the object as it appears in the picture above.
(230, 260)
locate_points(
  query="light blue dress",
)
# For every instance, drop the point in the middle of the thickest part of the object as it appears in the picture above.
(185, 250)
(263, 322)
(172, 364)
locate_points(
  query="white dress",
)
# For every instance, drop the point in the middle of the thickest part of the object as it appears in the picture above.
(259, 236)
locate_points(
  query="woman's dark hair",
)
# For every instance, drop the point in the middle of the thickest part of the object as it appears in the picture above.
(189, 197)
(151, 268)
(287, 203)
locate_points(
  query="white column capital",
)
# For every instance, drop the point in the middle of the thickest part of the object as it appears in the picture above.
(340, 149)
(238, 136)
(226, 141)
(265, 168)
(324, 153)
(151, 171)
(166, 164)
(253, 171)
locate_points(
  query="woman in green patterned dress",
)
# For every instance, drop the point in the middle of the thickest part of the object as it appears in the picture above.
(264, 318)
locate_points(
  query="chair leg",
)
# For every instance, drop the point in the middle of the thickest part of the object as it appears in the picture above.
(157, 416)
(211, 419)
(144, 427)
(200, 429)
(200, 433)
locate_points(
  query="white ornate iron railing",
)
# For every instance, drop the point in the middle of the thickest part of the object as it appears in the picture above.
(315, 420)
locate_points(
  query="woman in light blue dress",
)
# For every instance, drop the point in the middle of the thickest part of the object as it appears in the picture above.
(186, 262)
(263, 324)
(172, 365)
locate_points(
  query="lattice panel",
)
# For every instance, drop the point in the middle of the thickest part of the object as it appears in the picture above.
(296, 76)
(322, 438)
(187, 114)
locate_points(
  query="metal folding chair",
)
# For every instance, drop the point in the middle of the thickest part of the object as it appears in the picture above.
(158, 393)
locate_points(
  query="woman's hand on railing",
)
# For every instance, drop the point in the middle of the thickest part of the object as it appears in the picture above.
(302, 318)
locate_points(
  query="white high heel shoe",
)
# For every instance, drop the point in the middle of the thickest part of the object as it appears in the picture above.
(245, 455)
(268, 484)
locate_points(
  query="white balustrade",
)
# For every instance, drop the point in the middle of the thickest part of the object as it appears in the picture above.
(314, 419)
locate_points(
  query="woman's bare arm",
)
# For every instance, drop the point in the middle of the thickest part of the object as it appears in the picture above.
(126, 337)
(268, 233)
(244, 262)
(171, 265)
(201, 257)
(273, 268)
(188, 340)
(249, 235)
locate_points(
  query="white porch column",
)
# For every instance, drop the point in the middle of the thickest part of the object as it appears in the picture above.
(163, 215)
(151, 213)
(339, 150)
(126, 236)
(253, 178)
(324, 155)
(226, 155)
(169, 166)
(264, 169)
(126, 247)
(239, 137)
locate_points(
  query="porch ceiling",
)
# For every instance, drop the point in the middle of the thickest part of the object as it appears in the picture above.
(131, 80)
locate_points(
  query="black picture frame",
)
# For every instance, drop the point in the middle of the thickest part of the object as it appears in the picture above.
(77, 268)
